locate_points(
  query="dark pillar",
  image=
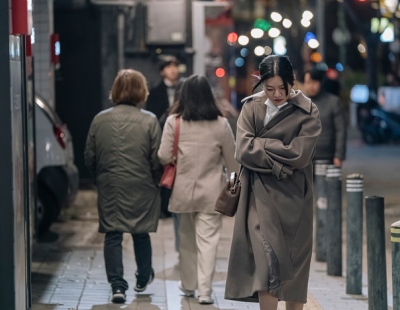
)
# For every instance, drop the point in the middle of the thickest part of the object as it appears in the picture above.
(395, 230)
(354, 233)
(7, 283)
(376, 253)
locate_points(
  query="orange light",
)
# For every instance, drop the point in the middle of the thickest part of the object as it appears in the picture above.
(232, 37)
(220, 72)
(316, 57)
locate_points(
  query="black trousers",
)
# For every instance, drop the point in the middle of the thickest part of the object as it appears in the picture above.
(113, 258)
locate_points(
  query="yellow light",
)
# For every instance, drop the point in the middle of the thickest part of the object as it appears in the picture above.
(316, 57)
(276, 17)
(256, 33)
(274, 32)
(243, 40)
(259, 51)
(305, 22)
(287, 23)
(313, 43)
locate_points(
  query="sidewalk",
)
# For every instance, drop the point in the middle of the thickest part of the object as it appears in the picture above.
(70, 274)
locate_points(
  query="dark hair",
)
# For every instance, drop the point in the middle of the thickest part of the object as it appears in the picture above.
(275, 65)
(166, 60)
(316, 75)
(196, 101)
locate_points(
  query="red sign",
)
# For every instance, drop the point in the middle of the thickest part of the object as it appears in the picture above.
(28, 46)
(55, 48)
(19, 9)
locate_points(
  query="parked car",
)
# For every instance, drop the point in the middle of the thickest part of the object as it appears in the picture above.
(378, 120)
(57, 175)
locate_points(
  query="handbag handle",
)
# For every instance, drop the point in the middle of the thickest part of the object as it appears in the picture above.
(176, 139)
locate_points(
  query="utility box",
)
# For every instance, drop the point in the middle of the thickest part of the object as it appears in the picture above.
(166, 22)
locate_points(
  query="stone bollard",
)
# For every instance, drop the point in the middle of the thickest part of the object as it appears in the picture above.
(321, 208)
(334, 224)
(376, 253)
(395, 230)
(354, 234)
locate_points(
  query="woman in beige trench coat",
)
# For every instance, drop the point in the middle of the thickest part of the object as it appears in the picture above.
(272, 241)
(206, 145)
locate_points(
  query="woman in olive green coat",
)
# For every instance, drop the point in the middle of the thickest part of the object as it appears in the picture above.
(272, 241)
(121, 153)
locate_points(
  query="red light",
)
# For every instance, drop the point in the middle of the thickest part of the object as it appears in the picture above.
(232, 37)
(60, 136)
(332, 74)
(220, 72)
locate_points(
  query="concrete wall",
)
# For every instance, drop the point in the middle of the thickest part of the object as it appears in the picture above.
(44, 71)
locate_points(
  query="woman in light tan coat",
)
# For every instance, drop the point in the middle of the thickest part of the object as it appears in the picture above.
(206, 146)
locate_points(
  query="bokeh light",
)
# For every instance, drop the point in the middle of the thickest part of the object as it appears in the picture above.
(262, 24)
(276, 17)
(309, 36)
(339, 67)
(316, 57)
(257, 33)
(243, 40)
(239, 62)
(361, 48)
(307, 15)
(220, 72)
(305, 22)
(287, 23)
(259, 51)
(313, 43)
(232, 37)
(274, 32)
(268, 50)
(244, 52)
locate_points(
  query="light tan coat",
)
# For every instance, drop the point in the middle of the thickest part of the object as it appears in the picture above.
(204, 148)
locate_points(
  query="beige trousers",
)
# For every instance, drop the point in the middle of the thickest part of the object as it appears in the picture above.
(199, 236)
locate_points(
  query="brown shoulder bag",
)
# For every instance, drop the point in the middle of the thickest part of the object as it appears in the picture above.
(168, 178)
(228, 200)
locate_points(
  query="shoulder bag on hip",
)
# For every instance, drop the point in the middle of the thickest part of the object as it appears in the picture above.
(168, 177)
(228, 200)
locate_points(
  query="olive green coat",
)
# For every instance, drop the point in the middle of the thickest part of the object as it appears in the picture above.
(272, 240)
(121, 153)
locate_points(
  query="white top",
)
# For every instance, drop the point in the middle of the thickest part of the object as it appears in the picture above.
(271, 110)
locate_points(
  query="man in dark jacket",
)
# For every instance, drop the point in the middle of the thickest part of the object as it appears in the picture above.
(161, 97)
(331, 144)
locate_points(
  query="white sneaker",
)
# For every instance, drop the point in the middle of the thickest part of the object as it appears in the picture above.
(188, 293)
(205, 300)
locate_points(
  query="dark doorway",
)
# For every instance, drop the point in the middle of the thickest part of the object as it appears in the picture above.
(78, 81)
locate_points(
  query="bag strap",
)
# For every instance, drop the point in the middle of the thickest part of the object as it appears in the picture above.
(240, 172)
(176, 139)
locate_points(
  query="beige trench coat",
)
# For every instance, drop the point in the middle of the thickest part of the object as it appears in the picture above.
(272, 240)
(204, 149)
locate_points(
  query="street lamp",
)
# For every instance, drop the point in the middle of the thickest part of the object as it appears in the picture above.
(276, 17)
(287, 23)
(256, 33)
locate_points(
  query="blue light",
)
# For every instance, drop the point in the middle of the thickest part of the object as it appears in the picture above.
(239, 62)
(359, 94)
(58, 48)
(309, 36)
(244, 52)
(322, 66)
(339, 67)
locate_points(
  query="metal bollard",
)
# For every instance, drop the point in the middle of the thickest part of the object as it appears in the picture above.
(321, 208)
(354, 234)
(395, 230)
(376, 253)
(334, 225)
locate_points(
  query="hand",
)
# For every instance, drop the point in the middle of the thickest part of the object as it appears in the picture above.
(337, 162)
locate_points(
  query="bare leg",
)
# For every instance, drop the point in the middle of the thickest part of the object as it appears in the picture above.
(267, 301)
(294, 306)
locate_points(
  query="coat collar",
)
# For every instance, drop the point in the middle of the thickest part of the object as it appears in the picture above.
(297, 98)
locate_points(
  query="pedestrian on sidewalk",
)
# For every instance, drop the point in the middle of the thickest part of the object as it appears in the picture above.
(205, 145)
(160, 101)
(121, 153)
(331, 145)
(272, 240)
